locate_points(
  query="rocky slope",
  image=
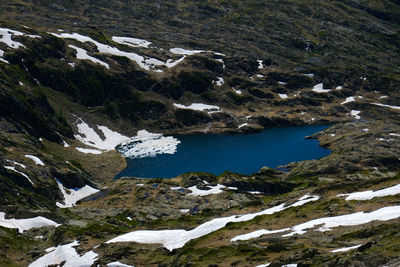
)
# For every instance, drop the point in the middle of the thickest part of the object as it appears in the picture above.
(67, 67)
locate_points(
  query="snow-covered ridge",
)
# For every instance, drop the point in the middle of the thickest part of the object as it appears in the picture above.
(200, 107)
(68, 255)
(173, 239)
(26, 224)
(71, 196)
(387, 106)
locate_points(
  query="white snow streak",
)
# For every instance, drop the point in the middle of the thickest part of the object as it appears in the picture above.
(199, 107)
(367, 195)
(173, 239)
(133, 42)
(319, 88)
(345, 249)
(35, 159)
(82, 54)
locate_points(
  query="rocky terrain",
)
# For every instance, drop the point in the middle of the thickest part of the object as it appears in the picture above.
(78, 78)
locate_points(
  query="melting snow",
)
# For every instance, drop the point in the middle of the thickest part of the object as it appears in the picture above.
(66, 253)
(133, 42)
(184, 210)
(339, 87)
(82, 54)
(264, 265)
(222, 61)
(367, 195)
(345, 249)
(173, 239)
(319, 88)
(71, 196)
(26, 224)
(282, 83)
(199, 107)
(6, 35)
(35, 159)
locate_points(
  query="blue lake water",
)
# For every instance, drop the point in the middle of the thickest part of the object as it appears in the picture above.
(244, 154)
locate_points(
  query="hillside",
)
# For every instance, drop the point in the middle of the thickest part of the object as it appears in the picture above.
(81, 79)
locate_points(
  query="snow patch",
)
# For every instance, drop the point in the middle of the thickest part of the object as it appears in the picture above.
(243, 125)
(200, 107)
(367, 195)
(283, 96)
(260, 64)
(219, 81)
(355, 113)
(71, 196)
(35, 159)
(118, 264)
(82, 54)
(239, 92)
(89, 150)
(319, 88)
(133, 42)
(66, 253)
(26, 224)
(182, 51)
(213, 190)
(345, 249)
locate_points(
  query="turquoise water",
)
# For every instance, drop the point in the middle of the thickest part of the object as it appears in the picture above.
(244, 154)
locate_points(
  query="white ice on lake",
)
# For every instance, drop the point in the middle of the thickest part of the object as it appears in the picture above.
(173, 239)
